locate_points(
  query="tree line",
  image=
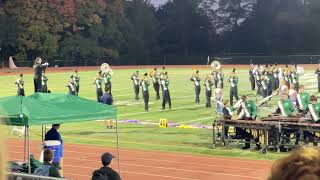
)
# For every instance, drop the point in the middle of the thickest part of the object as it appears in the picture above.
(177, 32)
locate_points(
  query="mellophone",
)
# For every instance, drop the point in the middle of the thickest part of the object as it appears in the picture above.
(271, 127)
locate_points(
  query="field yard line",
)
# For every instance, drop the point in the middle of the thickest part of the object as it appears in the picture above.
(209, 117)
(183, 107)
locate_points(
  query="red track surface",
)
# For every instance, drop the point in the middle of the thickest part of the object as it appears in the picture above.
(81, 160)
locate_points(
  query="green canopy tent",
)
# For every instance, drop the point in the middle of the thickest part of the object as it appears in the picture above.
(44, 108)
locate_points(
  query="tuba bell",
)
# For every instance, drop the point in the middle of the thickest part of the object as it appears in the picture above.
(216, 65)
(105, 68)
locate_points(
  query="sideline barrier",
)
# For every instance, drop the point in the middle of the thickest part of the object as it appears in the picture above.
(22, 176)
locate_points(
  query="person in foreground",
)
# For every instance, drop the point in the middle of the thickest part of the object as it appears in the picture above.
(302, 164)
(47, 169)
(53, 134)
(106, 172)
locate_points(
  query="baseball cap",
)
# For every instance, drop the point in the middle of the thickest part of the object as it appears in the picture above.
(106, 158)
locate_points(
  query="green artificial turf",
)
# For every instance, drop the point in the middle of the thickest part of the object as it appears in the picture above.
(150, 136)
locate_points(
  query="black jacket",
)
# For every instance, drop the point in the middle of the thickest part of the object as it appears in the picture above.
(105, 173)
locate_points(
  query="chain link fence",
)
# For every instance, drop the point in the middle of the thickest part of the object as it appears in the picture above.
(178, 60)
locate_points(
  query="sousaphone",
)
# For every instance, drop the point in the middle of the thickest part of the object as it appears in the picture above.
(216, 65)
(105, 68)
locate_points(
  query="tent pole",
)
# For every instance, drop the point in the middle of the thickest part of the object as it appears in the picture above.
(42, 133)
(118, 152)
(29, 159)
(25, 143)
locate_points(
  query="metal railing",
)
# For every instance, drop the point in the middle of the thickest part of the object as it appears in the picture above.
(178, 60)
(22, 176)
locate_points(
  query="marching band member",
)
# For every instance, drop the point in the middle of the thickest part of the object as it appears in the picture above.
(155, 79)
(258, 82)
(283, 88)
(98, 83)
(38, 69)
(76, 79)
(286, 76)
(271, 80)
(248, 111)
(208, 84)
(251, 77)
(20, 84)
(107, 80)
(215, 77)
(285, 106)
(276, 75)
(265, 81)
(72, 87)
(165, 91)
(318, 74)
(233, 86)
(163, 72)
(145, 91)
(220, 78)
(44, 80)
(135, 79)
(314, 109)
(293, 95)
(303, 100)
(197, 88)
(227, 115)
(295, 79)
(218, 96)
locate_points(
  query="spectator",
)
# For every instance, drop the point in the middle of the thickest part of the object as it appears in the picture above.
(53, 134)
(47, 169)
(303, 164)
(105, 172)
(106, 98)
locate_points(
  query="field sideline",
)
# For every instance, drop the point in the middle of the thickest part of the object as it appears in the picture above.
(150, 137)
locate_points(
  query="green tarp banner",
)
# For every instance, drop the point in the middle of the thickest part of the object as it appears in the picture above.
(44, 108)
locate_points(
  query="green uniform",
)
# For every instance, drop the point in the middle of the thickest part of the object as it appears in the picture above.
(44, 80)
(295, 80)
(76, 79)
(303, 100)
(314, 110)
(145, 93)
(220, 78)
(285, 108)
(197, 88)
(248, 110)
(20, 83)
(208, 84)
(233, 88)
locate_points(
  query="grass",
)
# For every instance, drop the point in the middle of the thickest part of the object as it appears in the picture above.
(147, 137)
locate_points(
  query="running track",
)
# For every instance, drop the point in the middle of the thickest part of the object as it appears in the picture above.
(81, 160)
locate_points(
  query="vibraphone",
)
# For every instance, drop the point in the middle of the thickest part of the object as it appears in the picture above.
(266, 127)
(275, 125)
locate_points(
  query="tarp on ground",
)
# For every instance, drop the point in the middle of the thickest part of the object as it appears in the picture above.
(46, 108)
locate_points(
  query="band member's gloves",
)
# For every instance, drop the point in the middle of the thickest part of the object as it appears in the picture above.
(46, 64)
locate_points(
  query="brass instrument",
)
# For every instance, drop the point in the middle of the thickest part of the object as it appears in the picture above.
(216, 65)
(105, 68)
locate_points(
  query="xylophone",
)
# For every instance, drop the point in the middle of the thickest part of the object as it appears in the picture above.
(272, 127)
(265, 127)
